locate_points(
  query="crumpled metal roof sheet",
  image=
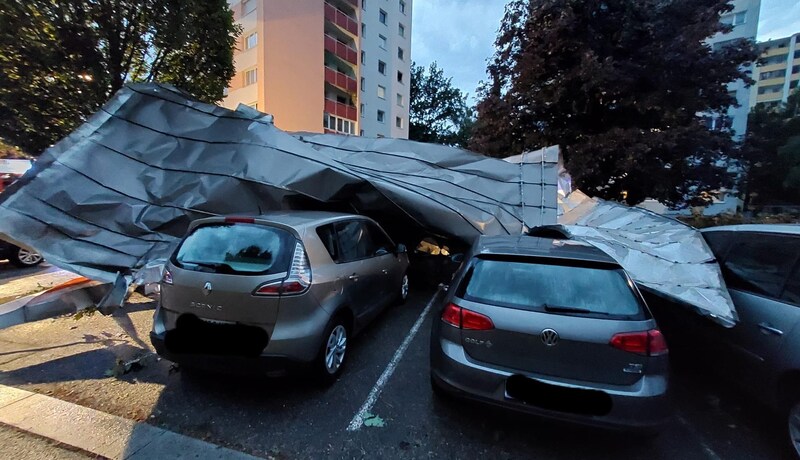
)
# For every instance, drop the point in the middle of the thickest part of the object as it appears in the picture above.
(118, 193)
(660, 253)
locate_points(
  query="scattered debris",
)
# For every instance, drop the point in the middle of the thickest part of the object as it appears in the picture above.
(373, 420)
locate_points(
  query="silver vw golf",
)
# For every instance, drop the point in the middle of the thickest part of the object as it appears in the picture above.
(270, 291)
(551, 327)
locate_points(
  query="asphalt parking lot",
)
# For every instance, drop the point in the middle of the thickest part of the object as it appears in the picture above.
(292, 418)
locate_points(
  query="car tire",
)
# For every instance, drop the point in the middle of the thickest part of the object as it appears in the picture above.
(402, 295)
(23, 258)
(333, 352)
(793, 426)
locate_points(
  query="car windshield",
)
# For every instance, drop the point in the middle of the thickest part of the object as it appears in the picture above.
(554, 288)
(237, 249)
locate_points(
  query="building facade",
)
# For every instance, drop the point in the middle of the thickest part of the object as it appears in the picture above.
(315, 64)
(744, 20)
(778, 73)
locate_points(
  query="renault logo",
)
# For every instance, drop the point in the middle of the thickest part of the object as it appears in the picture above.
(549, 337)
(207, 288)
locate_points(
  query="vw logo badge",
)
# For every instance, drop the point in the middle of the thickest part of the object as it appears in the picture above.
(549, 337)
(207, 288)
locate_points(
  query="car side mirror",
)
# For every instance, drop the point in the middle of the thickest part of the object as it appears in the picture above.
(457, 258)
(401, 249)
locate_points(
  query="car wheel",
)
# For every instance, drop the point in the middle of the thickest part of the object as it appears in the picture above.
(333, 352)
(404, 289)
(794, 427)
(25, 258)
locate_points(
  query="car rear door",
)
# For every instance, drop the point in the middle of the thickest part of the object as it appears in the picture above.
(354, 268)
(561, 344)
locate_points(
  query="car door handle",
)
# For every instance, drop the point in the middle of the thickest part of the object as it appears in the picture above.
(353, 277)
(766, 327)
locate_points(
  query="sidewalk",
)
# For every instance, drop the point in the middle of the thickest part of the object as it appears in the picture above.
(99, 433)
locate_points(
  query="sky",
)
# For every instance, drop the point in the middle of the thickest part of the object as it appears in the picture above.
(459, 34)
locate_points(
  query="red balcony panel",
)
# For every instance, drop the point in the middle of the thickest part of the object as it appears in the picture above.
(341, 110)
(340, 49)
(340, 80)
(341, 19)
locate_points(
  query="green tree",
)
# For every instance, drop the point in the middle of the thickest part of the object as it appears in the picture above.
(618, 84)
(61, 60)
(439, 111)
(772, 153)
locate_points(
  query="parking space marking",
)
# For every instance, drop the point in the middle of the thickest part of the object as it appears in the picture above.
(358, 419)
(706, 448)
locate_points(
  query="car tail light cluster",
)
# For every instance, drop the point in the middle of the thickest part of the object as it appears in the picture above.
(298, 280)
(647, 343)
(166, 278)
(466, 319)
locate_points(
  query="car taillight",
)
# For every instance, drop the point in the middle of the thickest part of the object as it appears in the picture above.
(167, 277)
(647, 343)
(240, 220)
(466, 319)
(298, 280)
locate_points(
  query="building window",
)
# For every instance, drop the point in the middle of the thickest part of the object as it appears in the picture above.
(399, 99)
(337, 124)
(382, 41)
(398, 122)
(381, 92)
(772, 74)
(401, 54)
(381, 115)
(252, 41)
(770, 89)
(735, 19)
(248, 6)
(382, 67)
(363, 4)
(361, 109)
(401, 30)
(363, 57)
(399, 77)
(363, 30)
(382, 16)
(253, 105)
(402, 7)
(250, 77)
(363, 83)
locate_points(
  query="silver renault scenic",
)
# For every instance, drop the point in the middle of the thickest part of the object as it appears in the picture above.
(551, 327)
(270, 291)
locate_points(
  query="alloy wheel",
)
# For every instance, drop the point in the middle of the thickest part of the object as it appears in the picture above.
(29, 257)
(335, 349)
(794, 427)
(404, 288)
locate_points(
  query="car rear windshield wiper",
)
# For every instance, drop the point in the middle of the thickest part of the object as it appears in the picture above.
(558, 308)
(219, 267)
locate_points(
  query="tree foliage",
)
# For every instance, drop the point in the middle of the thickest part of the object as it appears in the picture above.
(618, 84)
(439, 111)
(772, 151)
(61, 60)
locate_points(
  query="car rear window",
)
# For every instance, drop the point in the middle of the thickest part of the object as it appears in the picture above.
(557, 288)
(247, 249)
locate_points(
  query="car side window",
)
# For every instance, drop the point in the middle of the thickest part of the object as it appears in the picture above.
(760, 263)
(792, 291)
(327, 235)
(719, 242)
(354, 241)
(381, 244)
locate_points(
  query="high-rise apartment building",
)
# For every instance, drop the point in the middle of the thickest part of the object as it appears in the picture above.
(778, 72)
(315, 65)
(744, 20)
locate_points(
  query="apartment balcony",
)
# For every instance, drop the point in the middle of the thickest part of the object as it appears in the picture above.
(340, 49)
(341, 110)
(340, 80)
(341, 19)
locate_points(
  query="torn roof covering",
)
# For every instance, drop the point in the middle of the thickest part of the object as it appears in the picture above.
(660, 253)
(118, 193)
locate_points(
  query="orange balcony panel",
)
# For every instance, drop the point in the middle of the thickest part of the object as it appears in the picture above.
(341, 19)
(341, 110)
(340, 80)
(340, 49)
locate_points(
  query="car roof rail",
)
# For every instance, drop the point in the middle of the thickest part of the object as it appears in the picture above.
(555, 232)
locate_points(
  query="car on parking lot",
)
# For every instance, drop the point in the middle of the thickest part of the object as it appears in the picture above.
(761, 353)
(552, 327)
(273, 291)
(21, 257)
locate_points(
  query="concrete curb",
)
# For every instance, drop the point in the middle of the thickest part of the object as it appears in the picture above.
(59, 300)
(99, 433)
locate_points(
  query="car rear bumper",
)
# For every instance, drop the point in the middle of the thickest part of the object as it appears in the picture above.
(643, 406)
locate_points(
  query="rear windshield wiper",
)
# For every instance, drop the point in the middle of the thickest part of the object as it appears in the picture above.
(558, 308)
(218, 267)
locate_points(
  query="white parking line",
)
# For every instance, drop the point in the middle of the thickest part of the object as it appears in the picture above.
(706, 448)
(358, 419)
